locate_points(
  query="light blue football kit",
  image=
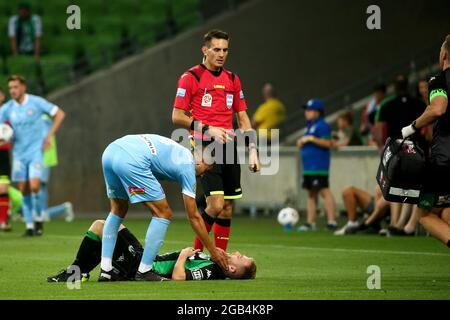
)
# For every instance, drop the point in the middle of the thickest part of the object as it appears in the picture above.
(132, 166)
(29, 135)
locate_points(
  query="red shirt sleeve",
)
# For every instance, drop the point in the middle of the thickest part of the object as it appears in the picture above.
(239, 103)
(185, 89)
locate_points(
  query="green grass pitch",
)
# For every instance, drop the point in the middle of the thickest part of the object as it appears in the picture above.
(290, 265)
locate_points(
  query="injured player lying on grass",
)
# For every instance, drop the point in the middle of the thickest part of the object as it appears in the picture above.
(187, 264)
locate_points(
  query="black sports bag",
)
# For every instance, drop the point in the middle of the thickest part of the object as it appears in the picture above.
(401, 171)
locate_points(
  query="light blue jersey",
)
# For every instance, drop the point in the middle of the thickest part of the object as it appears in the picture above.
(132, 166)
(29, 134)
(26, 120)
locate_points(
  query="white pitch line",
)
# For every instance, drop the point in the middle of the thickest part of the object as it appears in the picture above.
(349, 250)
(275, 246)
(146, 295)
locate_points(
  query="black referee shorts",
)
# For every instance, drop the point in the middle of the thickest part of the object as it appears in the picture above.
(225, 178)
(5, 166)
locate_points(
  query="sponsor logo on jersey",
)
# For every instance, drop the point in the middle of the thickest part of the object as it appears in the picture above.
(229, 101)
(135, 190)
(181, 92)
(121, 258)
(219, 86)
(197, 275)
(207, 100)
(149, 144)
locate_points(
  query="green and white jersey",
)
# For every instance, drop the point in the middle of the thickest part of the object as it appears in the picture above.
(197, 267)
(25, 31)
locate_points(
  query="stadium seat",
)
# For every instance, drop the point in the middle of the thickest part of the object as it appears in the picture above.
(102, 26)
(186, 13)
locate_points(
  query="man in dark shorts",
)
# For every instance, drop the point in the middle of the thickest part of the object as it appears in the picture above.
(435, 194)
(187, 264)
(207, 97)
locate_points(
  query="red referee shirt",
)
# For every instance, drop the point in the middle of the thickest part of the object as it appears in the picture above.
(6, 146)
(211, 97)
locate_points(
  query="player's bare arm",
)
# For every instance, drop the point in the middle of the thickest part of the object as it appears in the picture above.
(245, 125)
(437, 108)
(179, 272)
(195, 219)
(58, 118)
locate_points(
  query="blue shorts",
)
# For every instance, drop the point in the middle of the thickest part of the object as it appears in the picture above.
(45, 174)
(125, 178)
(26, 169)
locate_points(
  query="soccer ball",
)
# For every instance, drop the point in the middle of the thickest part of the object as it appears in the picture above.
(288, 216)
(6, 132)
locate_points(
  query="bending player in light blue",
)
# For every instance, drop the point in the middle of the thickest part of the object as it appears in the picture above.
(132, 166)
(24, 111)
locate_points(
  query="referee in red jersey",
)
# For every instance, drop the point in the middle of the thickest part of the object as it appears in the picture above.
(212, 94)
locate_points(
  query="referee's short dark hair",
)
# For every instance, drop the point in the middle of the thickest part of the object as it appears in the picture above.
(214, 34)
(16, 77)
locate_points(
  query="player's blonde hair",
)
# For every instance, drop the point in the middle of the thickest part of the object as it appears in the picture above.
(249, 272)
(446, 44)
(16, 77)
